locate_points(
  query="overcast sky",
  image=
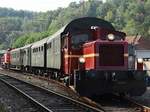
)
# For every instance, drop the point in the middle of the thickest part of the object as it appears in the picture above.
(35, 5)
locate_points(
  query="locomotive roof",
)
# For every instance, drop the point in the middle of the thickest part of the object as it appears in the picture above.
(26, 46)
(82, 24)
(86, 23)
(39, 43)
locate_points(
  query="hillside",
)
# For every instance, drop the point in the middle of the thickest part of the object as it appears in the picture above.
(18, 28)
(14, 24)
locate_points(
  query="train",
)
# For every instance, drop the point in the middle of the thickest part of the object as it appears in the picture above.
(87, 54)
(5, 59)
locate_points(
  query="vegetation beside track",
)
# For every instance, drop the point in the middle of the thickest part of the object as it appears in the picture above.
(2, 108)
(18, 28)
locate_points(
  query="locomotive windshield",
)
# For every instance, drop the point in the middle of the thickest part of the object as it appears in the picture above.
(77, 40)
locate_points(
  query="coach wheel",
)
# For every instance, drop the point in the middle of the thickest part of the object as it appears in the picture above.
(53, 75)
(26, 69)
(36, 72)
(67, 81)
(56, 75)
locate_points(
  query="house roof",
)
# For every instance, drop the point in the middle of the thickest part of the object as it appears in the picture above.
(140, 42)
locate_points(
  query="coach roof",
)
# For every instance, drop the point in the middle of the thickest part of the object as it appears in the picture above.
(16, 49)
(26, 46)
(39, 43)
(58, 33)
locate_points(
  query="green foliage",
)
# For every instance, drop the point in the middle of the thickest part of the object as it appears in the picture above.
(21, 41)
(29, 38)
(132, 17)
(2, 108)
(13, 24)
(137, 18)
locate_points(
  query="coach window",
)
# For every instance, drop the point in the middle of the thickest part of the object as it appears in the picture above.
(49, 45)
(65, 42)
(24, 52)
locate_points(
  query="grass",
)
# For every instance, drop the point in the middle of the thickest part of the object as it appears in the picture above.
(2, 108)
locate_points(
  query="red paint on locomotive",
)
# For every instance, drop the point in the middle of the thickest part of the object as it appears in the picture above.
(71, 57)
(90, 55)
(7, 57)
(5, 60)
(114, 58)
(139, 66)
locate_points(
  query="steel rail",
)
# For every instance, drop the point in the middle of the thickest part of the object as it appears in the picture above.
(39, 105)
(121, 104)
(73, 101)
(144, 108)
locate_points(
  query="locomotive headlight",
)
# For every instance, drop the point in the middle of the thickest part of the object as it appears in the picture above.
(111, 36)
(82, 60)
(140, 60)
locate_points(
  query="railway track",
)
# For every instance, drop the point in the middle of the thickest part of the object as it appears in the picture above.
(112, 103)
(12, 101)
(115, 103)
(108, 103)
(46, 100)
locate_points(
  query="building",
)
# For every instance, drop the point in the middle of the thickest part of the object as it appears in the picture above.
(142, 49)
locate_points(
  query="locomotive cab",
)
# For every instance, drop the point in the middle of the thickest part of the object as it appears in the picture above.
(73, 49)
(99, 57)
(108, 52)
(103, 62)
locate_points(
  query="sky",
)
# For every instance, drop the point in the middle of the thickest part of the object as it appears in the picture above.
(35, 5)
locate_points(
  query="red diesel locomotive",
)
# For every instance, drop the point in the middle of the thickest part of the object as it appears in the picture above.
(5, 59)
(89, 54)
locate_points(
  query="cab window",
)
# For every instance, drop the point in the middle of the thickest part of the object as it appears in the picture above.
(78, 40)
